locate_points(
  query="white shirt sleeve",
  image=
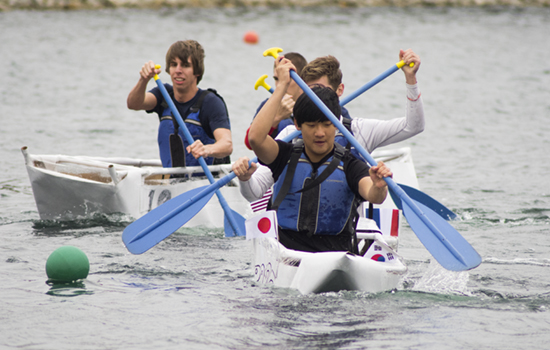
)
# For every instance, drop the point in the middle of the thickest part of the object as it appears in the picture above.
(259, 183)
(262, 179)
(373, 133)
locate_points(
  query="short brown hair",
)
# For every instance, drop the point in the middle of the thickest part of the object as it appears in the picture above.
(321, 66)
(297, 60)
(183, 50)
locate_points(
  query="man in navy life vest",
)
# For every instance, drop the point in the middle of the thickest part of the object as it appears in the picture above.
(203, 111)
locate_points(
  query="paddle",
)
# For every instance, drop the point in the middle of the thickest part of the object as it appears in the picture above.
(233, 221)
(261, 82)
(153, 227)
(445, 244)
(417, 195)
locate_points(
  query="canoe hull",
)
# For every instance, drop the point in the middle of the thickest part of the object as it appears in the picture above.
(71, 188)
(379, 269)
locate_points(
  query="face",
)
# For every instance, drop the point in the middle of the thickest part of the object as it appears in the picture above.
(323, 81)
(318, 138)
(182, 74)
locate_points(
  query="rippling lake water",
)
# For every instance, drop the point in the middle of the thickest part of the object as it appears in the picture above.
(485, 81)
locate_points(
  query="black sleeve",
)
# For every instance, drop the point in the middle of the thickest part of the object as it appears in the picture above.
(355, 170)
(278, 165)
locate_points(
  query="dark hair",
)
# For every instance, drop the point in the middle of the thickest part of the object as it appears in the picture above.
(305, 110)
(321, 66)
(297, 60)
(183, 50)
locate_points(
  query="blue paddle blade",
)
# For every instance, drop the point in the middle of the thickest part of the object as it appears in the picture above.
(425, 199)
(239, 219)
(147, 231)
(446, 245)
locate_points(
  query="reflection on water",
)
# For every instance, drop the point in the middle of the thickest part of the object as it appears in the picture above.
(72, 289)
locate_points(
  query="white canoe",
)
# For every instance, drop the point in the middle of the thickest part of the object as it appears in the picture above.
(379, 269)
(76, 187)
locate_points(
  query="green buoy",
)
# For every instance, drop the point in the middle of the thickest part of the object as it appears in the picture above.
(67, 264)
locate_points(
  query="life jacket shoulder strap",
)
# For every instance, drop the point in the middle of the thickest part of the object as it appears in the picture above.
(297, 151)
(347, 124)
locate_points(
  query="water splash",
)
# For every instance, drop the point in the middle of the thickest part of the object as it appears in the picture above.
(436, 279)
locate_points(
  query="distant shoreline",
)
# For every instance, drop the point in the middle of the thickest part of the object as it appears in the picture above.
(7, 5)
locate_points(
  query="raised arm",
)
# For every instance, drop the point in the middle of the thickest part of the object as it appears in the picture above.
(372, 133)
(139, 98)
(262, 144)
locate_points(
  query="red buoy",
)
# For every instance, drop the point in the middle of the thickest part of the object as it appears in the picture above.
(251, 37)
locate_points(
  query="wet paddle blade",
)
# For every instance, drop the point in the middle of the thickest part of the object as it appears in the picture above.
(229, 231)
(446, 245)
(147, 231)
(425, 199)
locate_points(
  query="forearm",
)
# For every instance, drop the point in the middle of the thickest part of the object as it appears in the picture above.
(221, 148)
(136, 97)
(265, 148)
(262, 124)
(415, 111)
(373, 133)
(254, 188)
(377, 195)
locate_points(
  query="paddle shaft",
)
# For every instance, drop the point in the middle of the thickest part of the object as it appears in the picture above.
(393, 186)
(353, 95)
(202, 162)
(372, 83)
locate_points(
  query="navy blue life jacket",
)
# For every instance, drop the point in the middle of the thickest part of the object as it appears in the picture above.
(318, 202)
(172, 142)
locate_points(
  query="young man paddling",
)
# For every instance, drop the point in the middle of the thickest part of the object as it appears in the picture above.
(314, 215)
(203, 111)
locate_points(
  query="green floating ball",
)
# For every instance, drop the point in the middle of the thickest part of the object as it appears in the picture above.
(67, 264)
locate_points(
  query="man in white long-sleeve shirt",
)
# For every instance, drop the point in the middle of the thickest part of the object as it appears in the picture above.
(370, 133)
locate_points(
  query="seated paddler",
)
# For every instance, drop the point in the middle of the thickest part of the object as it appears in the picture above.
(318, 183)
(203, 111)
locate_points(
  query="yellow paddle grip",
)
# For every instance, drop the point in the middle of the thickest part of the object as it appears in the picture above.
(261, 82)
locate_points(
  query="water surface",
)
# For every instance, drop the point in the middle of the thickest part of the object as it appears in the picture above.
(485, 83)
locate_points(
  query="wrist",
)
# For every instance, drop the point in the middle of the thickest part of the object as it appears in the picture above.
(411, 80)
(208, 151)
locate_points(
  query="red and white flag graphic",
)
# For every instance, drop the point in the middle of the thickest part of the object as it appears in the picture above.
(261, 204)
(262, 225)
(388, 220)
